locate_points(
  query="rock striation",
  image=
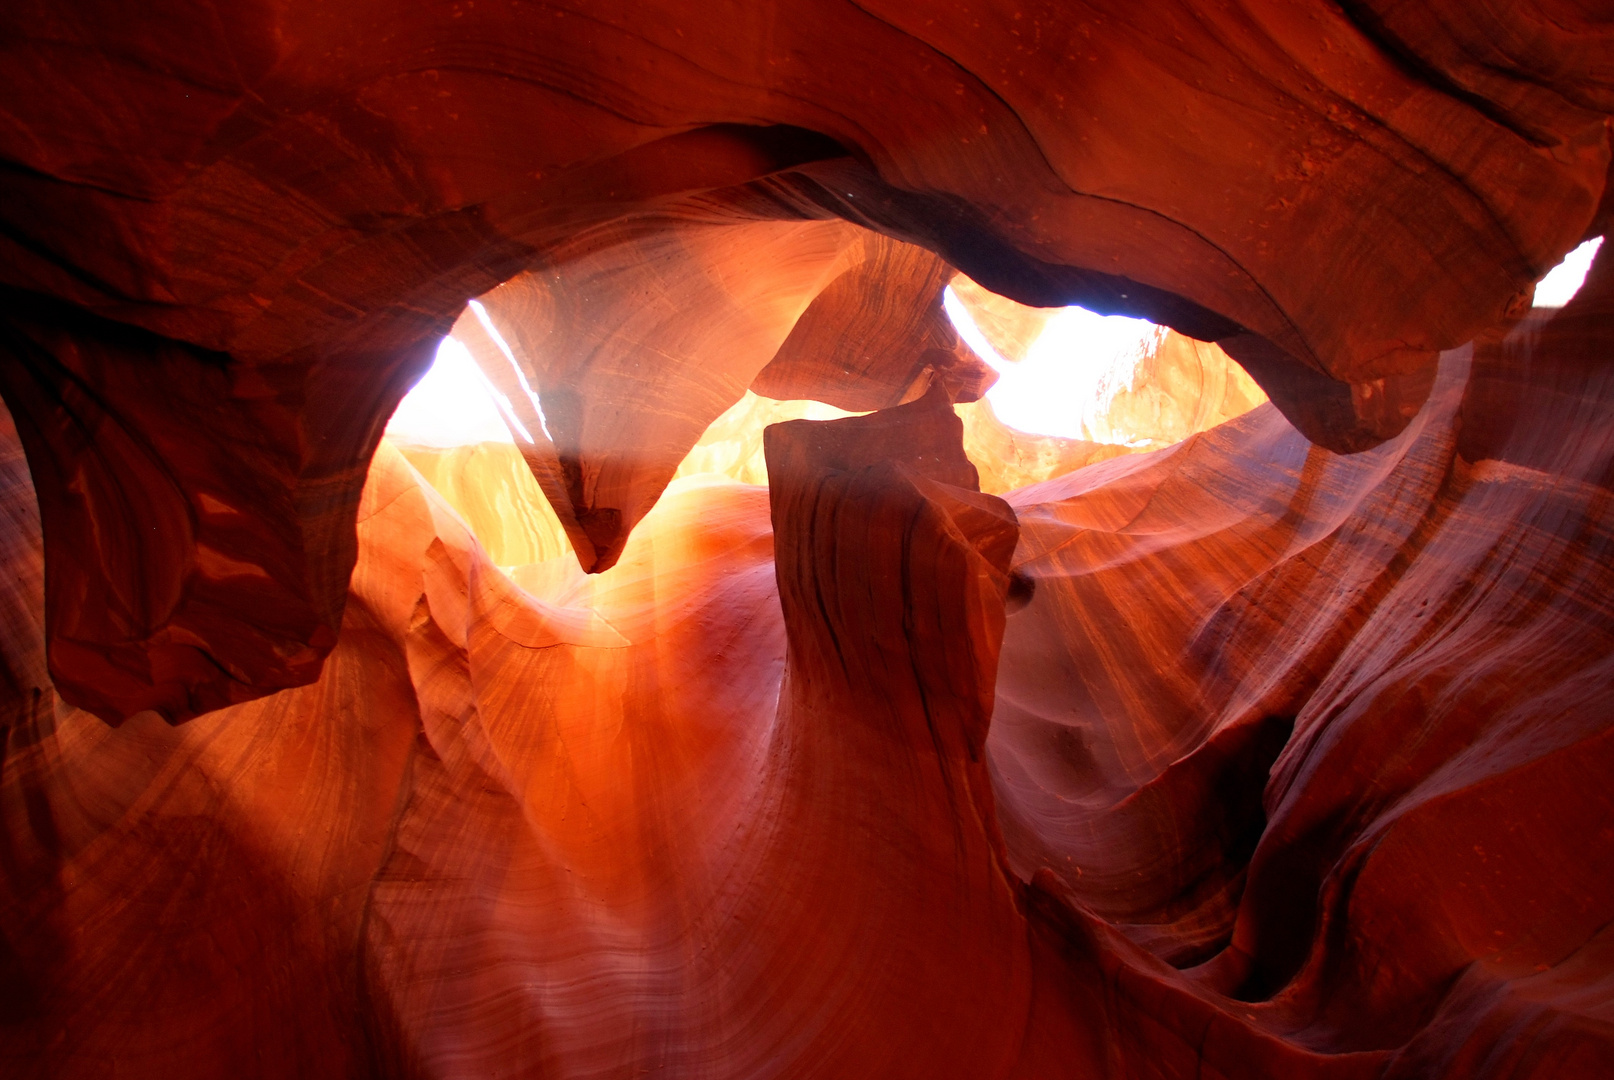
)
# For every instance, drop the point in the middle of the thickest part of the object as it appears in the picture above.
(248, 232)
(1234, 758)
(1281, 751)
(614, 358)
(1308, 742)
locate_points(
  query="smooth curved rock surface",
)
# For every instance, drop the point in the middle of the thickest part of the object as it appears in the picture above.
(1322, 732)
(287, 205)
(877, 336)
(1242, 758)
(614, 357)
(543, 847)
(1299, 763)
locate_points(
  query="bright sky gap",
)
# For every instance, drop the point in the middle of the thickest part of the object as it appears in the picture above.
(1081, 360)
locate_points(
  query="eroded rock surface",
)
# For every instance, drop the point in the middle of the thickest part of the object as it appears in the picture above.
(616, 356)
(1282, 752)
(1321, 731)
(1298, 762)
(246, 232)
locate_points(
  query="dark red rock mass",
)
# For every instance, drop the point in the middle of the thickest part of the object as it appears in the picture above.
(1280, 751)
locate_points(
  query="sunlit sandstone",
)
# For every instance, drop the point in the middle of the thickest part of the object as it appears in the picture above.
(1278, 751)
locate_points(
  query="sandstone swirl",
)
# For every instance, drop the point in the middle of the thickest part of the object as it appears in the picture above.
(1280, 751)
(245, 233)
(1299, 761)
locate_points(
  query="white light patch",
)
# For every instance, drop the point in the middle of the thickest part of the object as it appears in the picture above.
(964, 323)
(451, 405)
(521, 376)
(1564, 280)
(1070, 375)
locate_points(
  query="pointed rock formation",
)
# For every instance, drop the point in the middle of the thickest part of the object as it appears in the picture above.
(877, 336)
(613, 359)
(616, 355)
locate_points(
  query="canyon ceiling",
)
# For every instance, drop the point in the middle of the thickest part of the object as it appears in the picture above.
(1280, 751)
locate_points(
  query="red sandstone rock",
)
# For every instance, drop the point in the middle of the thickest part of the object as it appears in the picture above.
(551, 823)
(618, 354)
(1422, 885)
(1299, 760)
(876, 336)
(296, 202)
(25, 691)
(652, 819)
(634, 345)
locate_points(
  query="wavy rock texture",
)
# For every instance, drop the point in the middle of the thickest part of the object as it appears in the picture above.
(280, 208)
(1243, 758)
(1300, 764)
(572, 839)
(877, 336)
(1325, 732)
(615, 357)
(489, 486)
(26, 689)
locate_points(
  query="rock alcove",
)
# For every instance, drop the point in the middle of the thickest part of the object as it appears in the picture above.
(1277, 750)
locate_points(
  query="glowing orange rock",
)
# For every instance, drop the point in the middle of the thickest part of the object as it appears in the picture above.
(245, 234)
(1300, 758)
(657, 818)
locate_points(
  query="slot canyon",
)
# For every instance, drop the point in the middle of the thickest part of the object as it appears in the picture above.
(753, 692)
